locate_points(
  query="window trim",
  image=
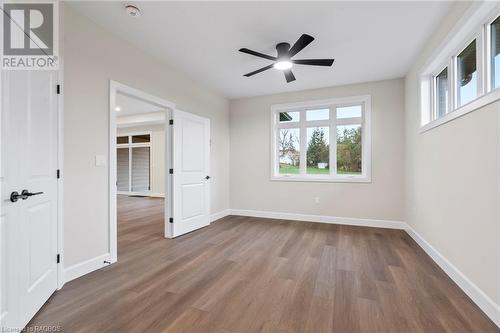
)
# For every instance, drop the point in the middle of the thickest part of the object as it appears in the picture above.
(487, 54)
(474, 25)
(434, 92)
(303, 124)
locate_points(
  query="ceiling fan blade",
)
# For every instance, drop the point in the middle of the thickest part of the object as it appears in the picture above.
(302, 42)
(257, 54)
(289, 76)
(314, 62)
(259, 70)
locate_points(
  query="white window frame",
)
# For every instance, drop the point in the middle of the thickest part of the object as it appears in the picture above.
(488, 50)
(130, 146)
(434, 92)
(474, 25)
(332, 123)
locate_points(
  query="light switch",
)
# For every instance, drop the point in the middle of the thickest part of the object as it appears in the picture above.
(100, 160)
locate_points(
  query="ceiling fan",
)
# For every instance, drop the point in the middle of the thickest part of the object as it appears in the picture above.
(284, 62)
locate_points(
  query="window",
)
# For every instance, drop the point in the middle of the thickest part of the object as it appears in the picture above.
(140, 138)
(289, 150)
(441, 83)
(467, 75)
(322, 140)
(495, 53)
(133, 157)
(464, 74)
(122, 139)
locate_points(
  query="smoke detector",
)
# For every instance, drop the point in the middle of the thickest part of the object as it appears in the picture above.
(132, 10)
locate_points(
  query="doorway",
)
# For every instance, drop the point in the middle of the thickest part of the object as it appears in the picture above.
(186, 148)
(139, 160)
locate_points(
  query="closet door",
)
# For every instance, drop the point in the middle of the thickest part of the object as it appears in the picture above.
(141, 166)
(122, 177)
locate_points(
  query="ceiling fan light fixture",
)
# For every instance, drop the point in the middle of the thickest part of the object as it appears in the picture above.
(283, 65)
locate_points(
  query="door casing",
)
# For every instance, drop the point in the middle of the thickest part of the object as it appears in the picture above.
(114, 88)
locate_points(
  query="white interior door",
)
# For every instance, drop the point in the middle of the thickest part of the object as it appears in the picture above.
(28, 226)
(191, 170)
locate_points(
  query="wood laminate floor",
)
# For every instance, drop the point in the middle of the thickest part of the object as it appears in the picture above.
(246, 274)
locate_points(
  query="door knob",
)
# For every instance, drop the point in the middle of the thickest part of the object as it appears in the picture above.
(14, 196)
(25, 194)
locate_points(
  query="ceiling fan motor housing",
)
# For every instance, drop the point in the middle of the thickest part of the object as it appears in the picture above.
(283, 49)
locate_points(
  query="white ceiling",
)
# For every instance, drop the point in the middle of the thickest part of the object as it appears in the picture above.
(131, 105)
(369, 40)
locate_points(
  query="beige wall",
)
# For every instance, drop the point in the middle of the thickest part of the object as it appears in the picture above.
(92, 57)
(251, 187)
(453, 180)
(157, 154)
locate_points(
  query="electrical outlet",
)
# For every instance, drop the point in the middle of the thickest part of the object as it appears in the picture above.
(316, 200)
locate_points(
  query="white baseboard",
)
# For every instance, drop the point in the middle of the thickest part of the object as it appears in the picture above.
(322, 219)
(144, 194)
(216, 216)
(485, 303)
(85, 267)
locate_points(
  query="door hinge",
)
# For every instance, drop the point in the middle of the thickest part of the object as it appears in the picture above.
(171, 220)
(58, 258)
(171, 122)
(58, 173)
(58, 89)
(171, 171)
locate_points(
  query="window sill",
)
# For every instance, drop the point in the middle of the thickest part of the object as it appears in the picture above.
(478, 103)
(347, 179)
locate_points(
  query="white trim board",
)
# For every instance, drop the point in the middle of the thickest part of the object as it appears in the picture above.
(321, 219)
(483, 301)
(85, 267)
(217, 216)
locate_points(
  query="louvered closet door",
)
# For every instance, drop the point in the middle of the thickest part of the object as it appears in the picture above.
(122, 177)
(140, 169)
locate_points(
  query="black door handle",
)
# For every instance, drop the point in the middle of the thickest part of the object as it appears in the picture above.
(14, 196)
(207, 177)
(25, 194)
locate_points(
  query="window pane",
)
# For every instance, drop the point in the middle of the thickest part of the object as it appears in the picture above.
(349, 111)
(122, 139)
(322, 114)
(289, 150)
(140, 169)
(289, 116)
(318, 150)
(495, 53)
(140, 138)
(467, 74)
(122, 169)
(442, 93)
(349, 149)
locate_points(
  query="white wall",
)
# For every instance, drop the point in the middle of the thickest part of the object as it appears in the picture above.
(453, 180)
(92, 57)
(252, 189)
(157, 154)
